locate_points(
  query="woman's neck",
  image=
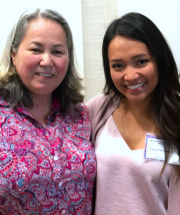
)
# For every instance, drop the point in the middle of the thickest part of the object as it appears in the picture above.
(137, 108)
(41, 108)
(140, 113)
(134, 121)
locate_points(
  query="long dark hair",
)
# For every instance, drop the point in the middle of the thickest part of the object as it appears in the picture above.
(166, 97)
(69, 92)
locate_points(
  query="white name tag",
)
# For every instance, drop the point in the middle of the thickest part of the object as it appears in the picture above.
(154, 150)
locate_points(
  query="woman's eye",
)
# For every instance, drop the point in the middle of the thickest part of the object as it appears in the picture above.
(57, 52)
(142, 62)
(117, 66)
(36, 50)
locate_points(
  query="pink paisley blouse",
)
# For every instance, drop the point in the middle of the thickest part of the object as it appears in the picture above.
(46, 170)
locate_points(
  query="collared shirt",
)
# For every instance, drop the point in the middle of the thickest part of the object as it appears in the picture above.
(46, 170)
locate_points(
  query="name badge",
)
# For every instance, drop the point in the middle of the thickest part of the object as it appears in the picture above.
(154, 150)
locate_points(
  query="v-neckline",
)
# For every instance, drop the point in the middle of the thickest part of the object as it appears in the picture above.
(123, 140)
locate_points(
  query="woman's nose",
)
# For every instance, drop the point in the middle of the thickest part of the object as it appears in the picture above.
(131, 73)
(46, 59)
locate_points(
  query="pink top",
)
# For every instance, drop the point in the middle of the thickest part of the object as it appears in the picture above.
(46, 170)
(126, 183)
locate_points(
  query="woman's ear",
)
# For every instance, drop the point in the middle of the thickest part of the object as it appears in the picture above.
(13, 56)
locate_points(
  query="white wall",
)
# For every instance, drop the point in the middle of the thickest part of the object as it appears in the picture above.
(164, 13)
(10, 10)
(95, 16)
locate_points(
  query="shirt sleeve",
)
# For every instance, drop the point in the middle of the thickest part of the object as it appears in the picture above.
(174, 193)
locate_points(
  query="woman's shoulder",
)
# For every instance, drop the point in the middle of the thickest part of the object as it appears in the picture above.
(95, 104)
(77, 112)
(100, 108)
(5, 108)
(102, 102)
(96, 101)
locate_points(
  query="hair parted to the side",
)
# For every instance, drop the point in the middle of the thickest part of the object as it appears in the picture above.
(69, 92)
(166, 97)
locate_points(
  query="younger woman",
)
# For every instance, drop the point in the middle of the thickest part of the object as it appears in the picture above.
(136, 121)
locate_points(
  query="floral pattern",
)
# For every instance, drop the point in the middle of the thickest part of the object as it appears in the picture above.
(46, 170)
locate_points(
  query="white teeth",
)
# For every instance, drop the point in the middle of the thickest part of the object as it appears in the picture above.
(45, 75)
(136, 86)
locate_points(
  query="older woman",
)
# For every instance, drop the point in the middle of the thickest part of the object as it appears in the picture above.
(47, 162)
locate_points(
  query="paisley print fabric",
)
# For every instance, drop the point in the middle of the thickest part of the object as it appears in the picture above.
(46, 170)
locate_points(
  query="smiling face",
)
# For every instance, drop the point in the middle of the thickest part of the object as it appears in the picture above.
(132, 68)
(42, 58)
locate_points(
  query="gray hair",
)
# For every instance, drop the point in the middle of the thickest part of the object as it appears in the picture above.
(71, 85)
(18, 32)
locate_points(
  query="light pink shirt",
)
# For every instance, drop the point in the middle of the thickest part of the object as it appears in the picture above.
(127, 184)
